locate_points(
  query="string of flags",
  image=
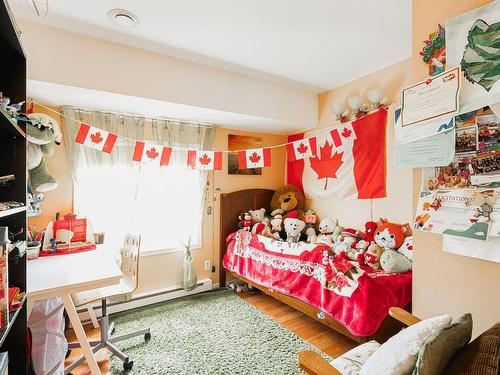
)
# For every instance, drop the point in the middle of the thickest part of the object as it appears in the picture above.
(151, 153)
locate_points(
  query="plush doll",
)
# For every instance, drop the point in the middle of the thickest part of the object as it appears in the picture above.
(288, 198)
(346, 243)
(42, 132)
(245, 221)
(277, 220)
(369, 235)
(399, 261)
(337, 231)
(390, 235)
(310, 218)
(372, 255)
(293, 228)
(258, 215)
(326, 229)
(263, 228)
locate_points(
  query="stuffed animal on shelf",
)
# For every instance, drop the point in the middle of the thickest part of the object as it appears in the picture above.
(42, 132)
(310, 218)
(326, 230)
(245, 221)
(288, 198)
(399, 261)
(293, 228)
(258, 215)
(390, 235)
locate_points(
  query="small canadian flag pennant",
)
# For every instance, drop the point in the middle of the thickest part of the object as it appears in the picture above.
(99, 139)
(343, 134)
(150, 153)
(205, 160)
(254, 158)
(301, 149)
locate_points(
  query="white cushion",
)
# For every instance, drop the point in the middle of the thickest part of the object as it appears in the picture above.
(399, 354)
(350, 363)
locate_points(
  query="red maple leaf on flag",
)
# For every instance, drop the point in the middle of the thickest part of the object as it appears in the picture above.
(205, 160)
(302, 148)
(152, 153)
(328, 165)
(346, 133)
(254, 158)
(96, 138)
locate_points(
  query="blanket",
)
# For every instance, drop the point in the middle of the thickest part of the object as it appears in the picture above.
(357, 297)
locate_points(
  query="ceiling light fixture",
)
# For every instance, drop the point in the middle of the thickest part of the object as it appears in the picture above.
(123, 17)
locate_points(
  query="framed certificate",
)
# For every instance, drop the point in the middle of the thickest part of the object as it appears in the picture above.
(431, 99)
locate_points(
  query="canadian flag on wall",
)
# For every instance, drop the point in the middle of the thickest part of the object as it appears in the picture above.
(301, 149)
(204, 160)
(150, 153)
(254, 158)
(96, 138)
(350, 162)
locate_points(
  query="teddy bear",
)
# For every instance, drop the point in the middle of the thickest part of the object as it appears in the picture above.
(398, 261)
(42, 131)
(346, 243)
(263, 228)
(293, 228)
(371, 256)
(326, 229)
(310, 218)
(245, 221)
(289, 198)
(258, 215)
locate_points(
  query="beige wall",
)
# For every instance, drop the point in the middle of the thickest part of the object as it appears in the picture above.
(162, 270)
(443, 282)
(397, 206)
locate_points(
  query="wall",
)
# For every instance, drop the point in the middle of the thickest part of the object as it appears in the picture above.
(113, 68)
(397, 206)
(163, 270)
(443, 282)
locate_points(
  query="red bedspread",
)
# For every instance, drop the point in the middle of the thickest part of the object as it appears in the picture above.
(358, 298)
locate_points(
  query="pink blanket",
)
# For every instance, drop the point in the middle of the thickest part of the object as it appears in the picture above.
(357, 297)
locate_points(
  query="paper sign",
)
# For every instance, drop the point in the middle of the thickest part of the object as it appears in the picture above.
(487, 250)
(436, 97)
(420, 131)
(430, 152)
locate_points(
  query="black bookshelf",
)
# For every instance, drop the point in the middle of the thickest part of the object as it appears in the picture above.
(13, 338)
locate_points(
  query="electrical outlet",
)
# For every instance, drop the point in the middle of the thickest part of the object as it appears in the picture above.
(207, 265)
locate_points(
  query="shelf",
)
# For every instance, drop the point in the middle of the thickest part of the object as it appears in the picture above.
(12, 211)
(12, 318)
(9, 126)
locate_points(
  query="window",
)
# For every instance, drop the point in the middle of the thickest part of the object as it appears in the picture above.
(163, 204)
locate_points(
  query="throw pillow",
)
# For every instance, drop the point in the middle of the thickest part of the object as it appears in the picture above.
(350, 363)
(398, 355)
(438, 350)
(480, 357)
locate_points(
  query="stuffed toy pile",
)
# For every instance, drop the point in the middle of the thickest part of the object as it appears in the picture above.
(382, 245)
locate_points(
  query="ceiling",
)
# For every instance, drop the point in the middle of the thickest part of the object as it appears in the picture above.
(314, 44)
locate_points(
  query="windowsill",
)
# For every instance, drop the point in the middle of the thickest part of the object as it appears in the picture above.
(147, 253)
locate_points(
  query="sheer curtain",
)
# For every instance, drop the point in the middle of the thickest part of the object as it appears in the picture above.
(118, 195)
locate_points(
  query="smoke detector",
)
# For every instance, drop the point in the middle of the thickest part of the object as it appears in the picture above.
(123, 17)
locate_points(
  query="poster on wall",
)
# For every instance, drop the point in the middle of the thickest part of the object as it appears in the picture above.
(431, 99)
(416, 132)
(469, 213)
(241, 142)
(473, 42)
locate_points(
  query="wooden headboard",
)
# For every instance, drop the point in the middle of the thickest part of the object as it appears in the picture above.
(231, 205)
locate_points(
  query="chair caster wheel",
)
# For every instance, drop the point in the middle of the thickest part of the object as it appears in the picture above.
(127, 365)
(147, 337)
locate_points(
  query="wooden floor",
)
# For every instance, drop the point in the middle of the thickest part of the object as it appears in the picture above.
(325, 339)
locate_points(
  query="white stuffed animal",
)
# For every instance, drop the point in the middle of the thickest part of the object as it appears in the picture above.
(398, 261)
(326, 230)
(293, 228)
(258, 215)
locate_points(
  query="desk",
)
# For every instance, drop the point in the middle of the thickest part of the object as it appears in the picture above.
(61, 275)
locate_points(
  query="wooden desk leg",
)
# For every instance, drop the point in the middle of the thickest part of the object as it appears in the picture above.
(80, 333)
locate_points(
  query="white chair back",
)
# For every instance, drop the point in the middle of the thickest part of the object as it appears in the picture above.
(130, 259)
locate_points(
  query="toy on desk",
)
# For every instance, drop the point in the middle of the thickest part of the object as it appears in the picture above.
(66, 236)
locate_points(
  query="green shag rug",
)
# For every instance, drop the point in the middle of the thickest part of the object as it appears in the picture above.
(208, 333)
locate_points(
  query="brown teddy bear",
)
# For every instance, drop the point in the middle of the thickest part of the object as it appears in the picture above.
(289, 198)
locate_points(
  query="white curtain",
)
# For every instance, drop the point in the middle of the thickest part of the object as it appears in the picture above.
(118, 195)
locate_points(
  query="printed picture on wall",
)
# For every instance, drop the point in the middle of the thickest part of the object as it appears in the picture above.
(237, 143)
(466, 140)
(488, 128)
(473, 42)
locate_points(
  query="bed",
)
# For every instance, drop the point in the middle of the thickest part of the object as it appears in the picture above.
(350, 299)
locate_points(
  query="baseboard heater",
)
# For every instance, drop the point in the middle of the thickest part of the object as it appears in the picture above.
(147, 298)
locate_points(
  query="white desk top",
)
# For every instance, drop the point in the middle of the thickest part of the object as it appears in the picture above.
(72, 272)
